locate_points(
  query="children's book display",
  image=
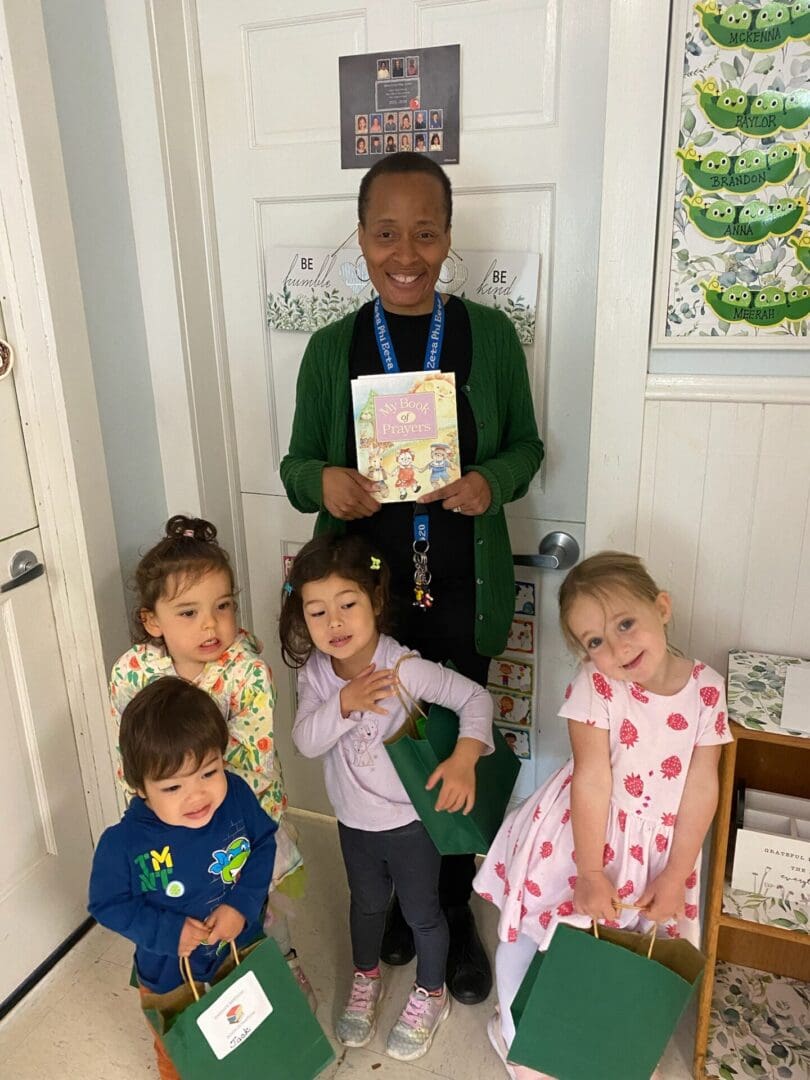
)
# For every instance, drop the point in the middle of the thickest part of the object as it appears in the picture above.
(406, 432)
(770, 876)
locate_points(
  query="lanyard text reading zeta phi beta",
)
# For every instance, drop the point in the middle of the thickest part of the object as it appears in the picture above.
(388, 357)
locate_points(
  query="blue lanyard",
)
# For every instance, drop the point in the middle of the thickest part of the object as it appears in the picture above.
(388, 356)
(433, 348)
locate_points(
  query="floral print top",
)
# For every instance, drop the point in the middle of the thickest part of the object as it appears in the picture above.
(242, 686)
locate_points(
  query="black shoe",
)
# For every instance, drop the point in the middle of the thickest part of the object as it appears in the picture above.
(397, 943)
(469, 976)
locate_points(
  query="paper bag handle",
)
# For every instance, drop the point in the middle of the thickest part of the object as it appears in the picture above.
(185, 967)
(631, 907)
(406, 698)
(408, 703)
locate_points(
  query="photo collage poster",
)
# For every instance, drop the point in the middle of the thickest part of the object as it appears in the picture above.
(399, 99)
(511, 678)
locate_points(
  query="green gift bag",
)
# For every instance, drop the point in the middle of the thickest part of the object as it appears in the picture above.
(602, 1006)
(416, 750)
(253, 1022)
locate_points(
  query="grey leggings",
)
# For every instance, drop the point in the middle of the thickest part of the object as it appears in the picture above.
(406, 860)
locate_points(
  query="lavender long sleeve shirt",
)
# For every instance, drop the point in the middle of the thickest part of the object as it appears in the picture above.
(361, 782)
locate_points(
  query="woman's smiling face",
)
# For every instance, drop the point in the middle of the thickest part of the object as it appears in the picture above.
(405, 239)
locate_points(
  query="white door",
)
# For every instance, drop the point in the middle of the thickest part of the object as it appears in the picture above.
(532, 104)
(46, 834)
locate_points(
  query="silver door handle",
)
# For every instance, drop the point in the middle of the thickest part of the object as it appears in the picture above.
(24, 567)
(557, 551)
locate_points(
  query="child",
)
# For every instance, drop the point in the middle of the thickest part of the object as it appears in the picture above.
(185, 624)
(334, 608)
(636, 800)
(189, 864)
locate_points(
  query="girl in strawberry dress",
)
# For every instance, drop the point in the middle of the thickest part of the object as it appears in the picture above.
(614, 835)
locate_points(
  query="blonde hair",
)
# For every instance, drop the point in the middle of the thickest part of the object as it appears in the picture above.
(597, 577)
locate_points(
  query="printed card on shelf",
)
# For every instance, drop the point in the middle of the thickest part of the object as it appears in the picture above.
(796, 700)
(406, 432)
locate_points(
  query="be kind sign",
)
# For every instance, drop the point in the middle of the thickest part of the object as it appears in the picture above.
(308, 287)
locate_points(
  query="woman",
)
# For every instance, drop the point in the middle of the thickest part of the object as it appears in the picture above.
(404, 211)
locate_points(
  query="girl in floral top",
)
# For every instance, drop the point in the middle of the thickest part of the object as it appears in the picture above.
(614, 835)
(185, 624)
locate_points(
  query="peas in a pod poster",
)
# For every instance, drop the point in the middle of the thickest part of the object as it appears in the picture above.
(735, 209)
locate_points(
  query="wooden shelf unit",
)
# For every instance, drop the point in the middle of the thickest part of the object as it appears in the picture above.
(770, 762)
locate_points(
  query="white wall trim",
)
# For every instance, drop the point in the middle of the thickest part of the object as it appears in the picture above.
(130, 44)
(56, 394)
(163, 109)
(752, 389)
(637, 51)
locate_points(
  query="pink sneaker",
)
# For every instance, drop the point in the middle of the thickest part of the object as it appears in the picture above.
(358, 1021)
(413, 1033)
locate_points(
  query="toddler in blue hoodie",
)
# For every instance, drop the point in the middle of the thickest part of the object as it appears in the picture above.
(189, 864)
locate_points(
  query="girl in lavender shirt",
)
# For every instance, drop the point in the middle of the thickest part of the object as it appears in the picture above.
(333, 613)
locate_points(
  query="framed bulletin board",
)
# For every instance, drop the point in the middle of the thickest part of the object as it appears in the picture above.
(733, 265)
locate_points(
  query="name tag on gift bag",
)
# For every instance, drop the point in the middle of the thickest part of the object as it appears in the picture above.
(253, 1022)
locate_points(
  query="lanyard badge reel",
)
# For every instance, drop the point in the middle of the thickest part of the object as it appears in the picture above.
(421, 574)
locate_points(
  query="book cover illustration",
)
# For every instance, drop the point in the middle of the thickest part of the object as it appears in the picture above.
(406, 432)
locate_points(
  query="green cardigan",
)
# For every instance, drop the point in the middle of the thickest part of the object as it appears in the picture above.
(508, 455)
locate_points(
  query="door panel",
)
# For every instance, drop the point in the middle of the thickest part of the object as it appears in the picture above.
(47, 852)
(47, 845)
(17, 510)
(532, 99)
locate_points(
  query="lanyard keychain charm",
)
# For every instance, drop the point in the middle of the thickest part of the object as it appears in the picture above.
(421, 574)
(390, 364)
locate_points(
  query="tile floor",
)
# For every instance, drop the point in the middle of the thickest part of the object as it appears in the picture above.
(83, 1020)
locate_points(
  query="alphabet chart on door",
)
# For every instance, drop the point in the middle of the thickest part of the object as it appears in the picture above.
(399, 99)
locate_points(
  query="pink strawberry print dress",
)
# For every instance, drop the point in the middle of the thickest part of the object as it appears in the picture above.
(530, 872)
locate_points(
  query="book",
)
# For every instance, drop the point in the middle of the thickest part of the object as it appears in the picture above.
(406, 432)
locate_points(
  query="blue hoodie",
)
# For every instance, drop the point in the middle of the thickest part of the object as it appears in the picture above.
(148, 877)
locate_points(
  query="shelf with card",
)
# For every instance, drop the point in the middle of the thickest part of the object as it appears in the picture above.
(771, 762)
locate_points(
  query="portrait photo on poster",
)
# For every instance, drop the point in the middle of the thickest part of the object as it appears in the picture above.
(510, 675)
(414, 92)
(524, 598)
(521, 636)
(518, 741)
(511, 708)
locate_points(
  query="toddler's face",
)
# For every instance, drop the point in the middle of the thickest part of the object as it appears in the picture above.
(191, 796)
(624, 635)
(341, 620)
(197, 621)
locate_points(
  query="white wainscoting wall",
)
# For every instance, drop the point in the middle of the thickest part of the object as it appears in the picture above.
(724, 511)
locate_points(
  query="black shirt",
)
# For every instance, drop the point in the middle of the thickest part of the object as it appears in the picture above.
(451, 558)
